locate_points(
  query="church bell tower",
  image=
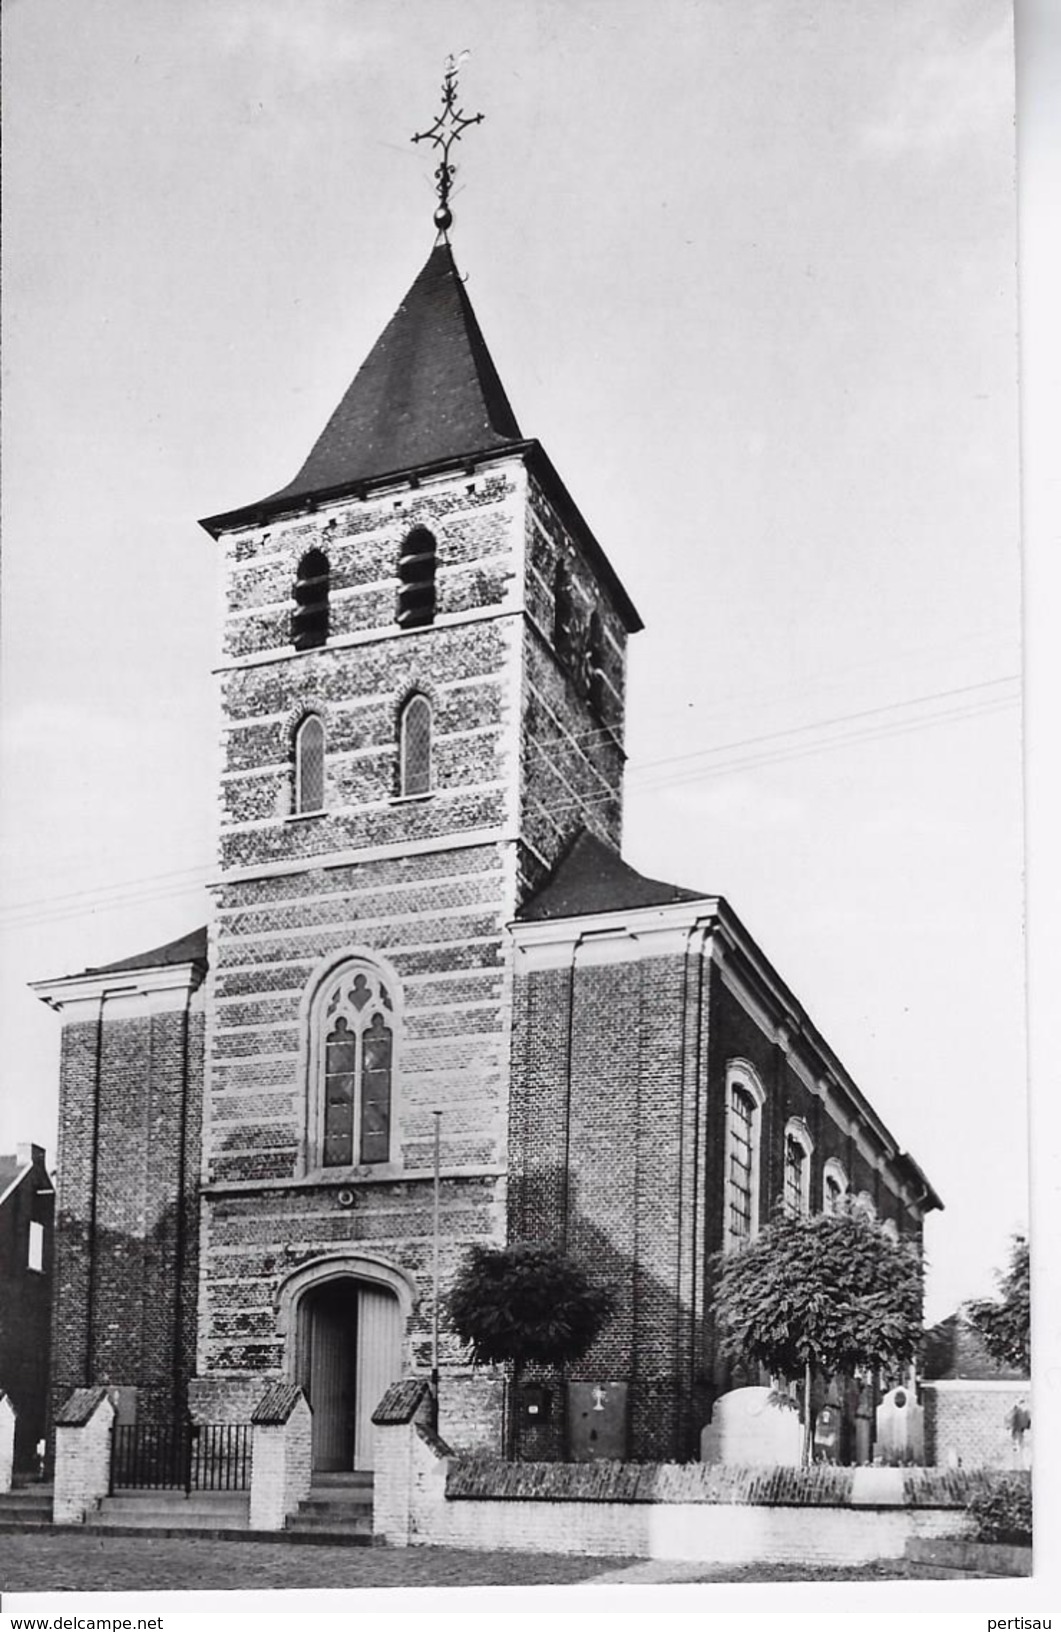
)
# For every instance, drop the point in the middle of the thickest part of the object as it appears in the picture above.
(421, 693)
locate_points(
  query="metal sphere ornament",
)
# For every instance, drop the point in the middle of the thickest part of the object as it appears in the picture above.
(443, 218)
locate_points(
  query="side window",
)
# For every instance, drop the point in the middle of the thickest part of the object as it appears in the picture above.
(595, 664)
(834, 1186)
(416, 574)
(309, 765)
(354, 1023)
(798, 1147)
(309, 622)
(563, 612)
(744, 1100)
(35, 1256)
(414, 747)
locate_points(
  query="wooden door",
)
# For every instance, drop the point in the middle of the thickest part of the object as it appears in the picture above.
(379, 1362)
(331, 1373)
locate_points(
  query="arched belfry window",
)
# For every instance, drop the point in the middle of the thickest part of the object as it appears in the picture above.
(416, 574)
(353, 1023)
(309, 622)
(309, 765)
(414, 747)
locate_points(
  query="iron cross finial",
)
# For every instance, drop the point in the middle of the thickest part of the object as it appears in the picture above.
(447, 129)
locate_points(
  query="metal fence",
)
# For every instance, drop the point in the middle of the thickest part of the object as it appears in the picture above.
(181, 1456)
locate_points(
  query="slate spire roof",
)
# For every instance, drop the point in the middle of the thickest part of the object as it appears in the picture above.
(428, 392)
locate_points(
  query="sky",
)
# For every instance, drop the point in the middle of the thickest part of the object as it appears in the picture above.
(748, 271)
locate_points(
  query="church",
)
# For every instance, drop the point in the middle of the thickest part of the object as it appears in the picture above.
(422, 926)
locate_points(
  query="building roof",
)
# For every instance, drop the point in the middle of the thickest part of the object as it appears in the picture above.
(591, 877)
(427, 392)
(188, 949)
(10, 1167)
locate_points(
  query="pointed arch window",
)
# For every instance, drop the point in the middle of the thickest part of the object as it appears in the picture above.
(309, 621)
(414, 747)
(744, 1102)
(309, 765)
(416, 574)
(353, 1023)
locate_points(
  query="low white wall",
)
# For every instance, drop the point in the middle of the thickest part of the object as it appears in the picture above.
(412, 1509)
(707, 1533)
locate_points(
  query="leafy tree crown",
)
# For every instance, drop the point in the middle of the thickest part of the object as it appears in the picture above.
(529, 1303)
(1004, 1323)
(834, 1292)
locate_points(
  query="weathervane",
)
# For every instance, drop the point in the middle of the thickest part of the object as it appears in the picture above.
(448, 128)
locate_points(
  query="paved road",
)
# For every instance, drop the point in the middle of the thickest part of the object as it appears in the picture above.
(81, 1562)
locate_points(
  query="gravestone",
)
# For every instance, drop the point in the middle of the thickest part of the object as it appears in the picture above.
(750, 1427)
(900, 1429)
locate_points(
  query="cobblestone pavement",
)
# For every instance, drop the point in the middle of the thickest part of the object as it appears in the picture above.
(86, 1563)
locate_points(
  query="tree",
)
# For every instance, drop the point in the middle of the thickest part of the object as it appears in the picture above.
(1004, 1324)
(527, 1304)
(821, 1296)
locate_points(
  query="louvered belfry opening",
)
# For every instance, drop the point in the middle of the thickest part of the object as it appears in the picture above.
(416, 573)
(309, 622)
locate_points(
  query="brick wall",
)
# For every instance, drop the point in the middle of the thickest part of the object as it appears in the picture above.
(127, 1225)
(967, 1424)
(623, 1034)
(604, 1161)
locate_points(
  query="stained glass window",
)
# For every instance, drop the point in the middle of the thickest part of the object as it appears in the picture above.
(309, 765)
(357, 1018)
(415, 746)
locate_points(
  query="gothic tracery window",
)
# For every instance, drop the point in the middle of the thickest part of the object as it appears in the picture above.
(355, 1020)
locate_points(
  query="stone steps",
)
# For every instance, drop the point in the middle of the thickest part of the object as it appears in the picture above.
(337, 1509)
(172, 1510)
(26, 1508)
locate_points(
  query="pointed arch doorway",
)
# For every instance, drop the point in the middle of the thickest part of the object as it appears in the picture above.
(348, 1351)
